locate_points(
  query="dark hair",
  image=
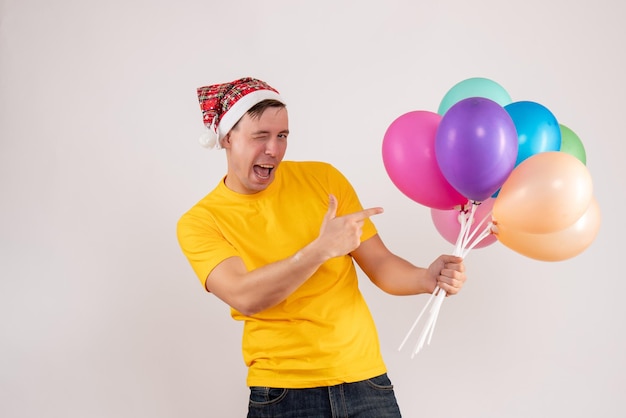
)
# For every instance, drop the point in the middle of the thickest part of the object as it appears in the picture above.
(257, 110)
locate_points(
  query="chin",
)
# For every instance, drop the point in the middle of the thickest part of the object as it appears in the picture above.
(258, 186)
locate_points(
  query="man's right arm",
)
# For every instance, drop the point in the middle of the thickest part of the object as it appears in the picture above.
(250, 292)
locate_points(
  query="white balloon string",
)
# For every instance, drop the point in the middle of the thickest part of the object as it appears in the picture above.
(463, 217)
(484, 234)
(470, 221)
(476, 229)
(459, 241)
(429, 323)
(436, 314)
(428, 302)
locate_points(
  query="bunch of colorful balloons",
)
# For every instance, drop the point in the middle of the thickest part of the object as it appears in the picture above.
(510, 163)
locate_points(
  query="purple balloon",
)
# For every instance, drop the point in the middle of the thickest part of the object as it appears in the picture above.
(476, 147)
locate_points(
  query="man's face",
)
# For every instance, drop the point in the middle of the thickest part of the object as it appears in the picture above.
(254, 148)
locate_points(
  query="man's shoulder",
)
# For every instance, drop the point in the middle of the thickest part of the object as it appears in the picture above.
(316, 166)
(202, 208)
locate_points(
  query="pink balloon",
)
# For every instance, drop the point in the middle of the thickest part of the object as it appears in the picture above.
(448, 224)
(409, 158)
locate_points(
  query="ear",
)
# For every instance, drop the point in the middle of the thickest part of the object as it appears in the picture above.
(226, 141)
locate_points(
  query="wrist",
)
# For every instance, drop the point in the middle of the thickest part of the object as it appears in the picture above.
(313, 253)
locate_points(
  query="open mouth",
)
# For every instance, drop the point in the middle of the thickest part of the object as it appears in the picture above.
(263, 170)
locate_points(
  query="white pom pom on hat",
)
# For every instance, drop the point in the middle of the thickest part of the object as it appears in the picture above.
(224, 104)
(208, 139)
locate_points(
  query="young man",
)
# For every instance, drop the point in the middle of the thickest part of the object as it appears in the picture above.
(276, 241)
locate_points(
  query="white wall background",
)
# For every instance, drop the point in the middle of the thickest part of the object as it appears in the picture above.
(100, 314)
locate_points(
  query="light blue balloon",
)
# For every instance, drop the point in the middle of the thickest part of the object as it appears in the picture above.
(537, 129)
(474, 87)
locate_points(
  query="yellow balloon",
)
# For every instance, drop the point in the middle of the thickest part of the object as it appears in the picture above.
(554, 246)
(545, 193)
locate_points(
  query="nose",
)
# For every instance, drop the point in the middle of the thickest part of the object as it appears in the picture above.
(272, 146)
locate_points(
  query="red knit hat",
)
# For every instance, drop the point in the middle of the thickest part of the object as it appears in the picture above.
(224, 104)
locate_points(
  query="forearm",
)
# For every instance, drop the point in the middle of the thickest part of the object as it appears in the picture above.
(250, 292)
(396, 276)
(391, 273)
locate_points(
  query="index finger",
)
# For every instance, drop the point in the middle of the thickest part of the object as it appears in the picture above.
(365, 213)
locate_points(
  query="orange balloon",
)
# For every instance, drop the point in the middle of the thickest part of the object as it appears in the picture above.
(545, 193)
(555, 246)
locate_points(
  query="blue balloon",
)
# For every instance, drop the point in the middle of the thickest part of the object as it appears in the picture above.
(537, 129)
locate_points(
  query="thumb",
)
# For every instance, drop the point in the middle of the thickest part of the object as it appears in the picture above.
(332, 207)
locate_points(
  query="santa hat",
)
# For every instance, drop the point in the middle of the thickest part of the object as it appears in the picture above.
(224, 104)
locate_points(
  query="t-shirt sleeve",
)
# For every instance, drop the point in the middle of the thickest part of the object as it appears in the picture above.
(349, 201)
(202, 243)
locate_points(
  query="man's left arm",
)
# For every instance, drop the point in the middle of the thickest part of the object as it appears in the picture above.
(397, 276)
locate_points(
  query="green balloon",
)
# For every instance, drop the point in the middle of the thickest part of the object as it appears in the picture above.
(571, 144)
(474, 87)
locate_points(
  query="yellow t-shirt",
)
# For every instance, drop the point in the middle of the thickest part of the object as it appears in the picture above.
(323, 334)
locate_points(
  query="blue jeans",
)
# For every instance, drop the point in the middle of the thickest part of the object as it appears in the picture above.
(372, 398)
